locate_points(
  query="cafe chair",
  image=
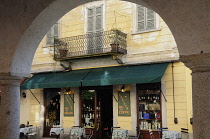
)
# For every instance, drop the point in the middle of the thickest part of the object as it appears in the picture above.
(151, 134)
(137, 135)
(89, 133)
(112, 128)
(33, 133)
(184, 133)
(161, 130)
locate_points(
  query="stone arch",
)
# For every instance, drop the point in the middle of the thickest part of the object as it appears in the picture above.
(191, 37)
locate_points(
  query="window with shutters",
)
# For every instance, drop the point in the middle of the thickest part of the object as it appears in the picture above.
(95, 26)
(52, 34)
(146, 19)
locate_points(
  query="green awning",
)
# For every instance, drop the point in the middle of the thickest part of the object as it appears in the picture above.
(98, 77)
(125, 75)
(56, 80)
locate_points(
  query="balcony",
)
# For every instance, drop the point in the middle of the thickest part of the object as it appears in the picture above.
(111, 42)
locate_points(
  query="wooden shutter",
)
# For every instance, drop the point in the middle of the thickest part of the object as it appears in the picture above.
(141, 24)
(150, 19)
(52, 34)
(56, 30)
(49, 37)
(95, 19)
(145, 18)
(90, 20)
(98, 18)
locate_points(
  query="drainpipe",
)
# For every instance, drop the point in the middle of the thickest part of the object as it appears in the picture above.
(175, 119)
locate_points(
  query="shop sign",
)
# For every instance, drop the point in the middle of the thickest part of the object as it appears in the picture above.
(68, 105)
(124, 104)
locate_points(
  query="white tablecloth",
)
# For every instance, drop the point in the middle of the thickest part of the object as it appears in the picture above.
(171, 135)
(57, 131)
(78, 132)
(122, 133)
(25, 130)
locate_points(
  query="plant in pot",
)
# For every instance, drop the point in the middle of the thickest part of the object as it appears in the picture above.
(114, 39)
(62, 47)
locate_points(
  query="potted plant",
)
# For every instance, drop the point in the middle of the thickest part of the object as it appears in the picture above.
(114, 39)
(62, 47)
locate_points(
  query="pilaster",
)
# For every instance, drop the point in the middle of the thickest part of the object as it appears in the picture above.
(200, 66)
(9, 106)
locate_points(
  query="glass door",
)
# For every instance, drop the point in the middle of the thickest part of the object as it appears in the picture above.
(52, 109)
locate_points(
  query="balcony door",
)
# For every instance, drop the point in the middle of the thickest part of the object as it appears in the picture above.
(94, 29)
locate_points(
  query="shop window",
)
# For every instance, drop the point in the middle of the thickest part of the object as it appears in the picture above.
(149, 109)
(146, 19)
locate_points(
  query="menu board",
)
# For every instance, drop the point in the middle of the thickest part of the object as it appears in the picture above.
(124, 104)
(68, 105)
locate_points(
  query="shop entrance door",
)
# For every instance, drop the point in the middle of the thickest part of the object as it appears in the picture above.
(52, 109)
(97, 111)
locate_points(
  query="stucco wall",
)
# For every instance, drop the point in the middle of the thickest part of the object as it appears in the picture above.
(182, 96)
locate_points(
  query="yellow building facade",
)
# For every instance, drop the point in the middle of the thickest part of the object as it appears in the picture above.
(149, 41)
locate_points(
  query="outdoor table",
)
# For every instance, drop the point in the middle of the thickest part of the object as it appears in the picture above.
(171, 135)
(121, 133)
(25, 130)
(78, 132)
(56, 131)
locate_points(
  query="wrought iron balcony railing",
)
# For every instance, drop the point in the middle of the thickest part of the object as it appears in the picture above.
(89, 45)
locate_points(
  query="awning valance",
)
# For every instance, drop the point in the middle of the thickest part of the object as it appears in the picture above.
(98, 77)
(125, 75)
(56, 80)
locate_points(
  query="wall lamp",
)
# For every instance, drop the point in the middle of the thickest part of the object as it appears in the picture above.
(23, 94)
(122, 88)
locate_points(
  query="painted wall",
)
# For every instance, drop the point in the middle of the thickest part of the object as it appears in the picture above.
(125, 122)
(180, 96)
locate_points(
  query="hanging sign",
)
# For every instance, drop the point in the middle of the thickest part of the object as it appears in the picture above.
(124, 104)
(68, 105)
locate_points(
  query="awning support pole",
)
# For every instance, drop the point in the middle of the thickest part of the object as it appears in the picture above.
(71, 98)
(34, 96)
(114, 97)
(163, 95)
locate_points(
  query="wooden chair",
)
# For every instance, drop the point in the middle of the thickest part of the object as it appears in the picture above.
(89, 133)
(151, 134)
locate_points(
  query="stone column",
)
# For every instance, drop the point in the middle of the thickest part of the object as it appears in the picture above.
(200, 66)
(9, 106)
